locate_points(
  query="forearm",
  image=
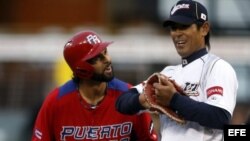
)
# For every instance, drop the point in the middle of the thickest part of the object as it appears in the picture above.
(128, 102)
(205, 114)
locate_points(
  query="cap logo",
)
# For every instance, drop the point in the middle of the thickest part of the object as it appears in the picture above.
(93, 39)
(179, 6)
(203, 16)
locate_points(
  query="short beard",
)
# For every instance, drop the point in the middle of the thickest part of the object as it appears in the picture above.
(102, 77)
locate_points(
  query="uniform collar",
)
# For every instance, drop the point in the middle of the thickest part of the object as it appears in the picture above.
(185, 61)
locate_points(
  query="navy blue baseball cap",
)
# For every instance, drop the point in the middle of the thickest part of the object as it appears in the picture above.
(187, 12)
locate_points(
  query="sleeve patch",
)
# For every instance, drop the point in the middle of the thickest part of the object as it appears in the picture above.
(214, 90)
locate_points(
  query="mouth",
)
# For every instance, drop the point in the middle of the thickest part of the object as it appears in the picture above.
(180, 43)
(108, 69)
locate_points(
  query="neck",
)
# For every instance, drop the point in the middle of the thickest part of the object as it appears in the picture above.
(92, 92)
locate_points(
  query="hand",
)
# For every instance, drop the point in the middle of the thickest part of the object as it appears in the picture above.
(164, 91)
(157, 94)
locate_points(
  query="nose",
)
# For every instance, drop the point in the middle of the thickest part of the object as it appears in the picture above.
(106, 58)
(176, 32)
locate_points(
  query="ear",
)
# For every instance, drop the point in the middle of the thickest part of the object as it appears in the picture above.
(205, 29)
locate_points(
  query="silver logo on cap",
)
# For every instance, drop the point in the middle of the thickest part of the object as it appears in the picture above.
(179, 6)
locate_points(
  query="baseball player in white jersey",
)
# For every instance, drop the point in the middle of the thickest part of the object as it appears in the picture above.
(210, 82)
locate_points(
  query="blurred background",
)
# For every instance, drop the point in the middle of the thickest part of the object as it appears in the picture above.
(33, 33)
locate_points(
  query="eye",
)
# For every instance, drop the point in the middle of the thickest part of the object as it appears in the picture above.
(92, 61)
(98, 57)
(105, 52)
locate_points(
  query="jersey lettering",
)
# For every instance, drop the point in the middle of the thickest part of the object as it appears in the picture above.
(97, 132)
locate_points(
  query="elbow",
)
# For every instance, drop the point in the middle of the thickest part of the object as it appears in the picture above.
(221, 119)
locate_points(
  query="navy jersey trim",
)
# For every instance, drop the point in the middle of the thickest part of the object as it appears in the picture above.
(194, 56)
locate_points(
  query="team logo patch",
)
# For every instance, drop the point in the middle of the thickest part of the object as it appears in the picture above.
(214, 90)
(191, 89)
(203, 16)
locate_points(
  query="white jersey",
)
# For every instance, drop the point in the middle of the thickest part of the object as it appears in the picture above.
(207, 79)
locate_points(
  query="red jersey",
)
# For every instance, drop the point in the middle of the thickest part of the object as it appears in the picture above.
(65, 116)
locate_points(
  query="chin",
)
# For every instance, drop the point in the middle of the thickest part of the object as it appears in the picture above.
(182, 53)
(103, 78)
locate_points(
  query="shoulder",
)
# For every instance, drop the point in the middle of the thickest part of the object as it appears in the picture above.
(221, 68)
(61, 91)
(215, 62)
(117, 84)
(50, 99)
(57, 93)
(223, 65)
(225, 69)
(66, 88)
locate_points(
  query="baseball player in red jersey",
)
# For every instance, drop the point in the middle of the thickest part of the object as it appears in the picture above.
(84, 108)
